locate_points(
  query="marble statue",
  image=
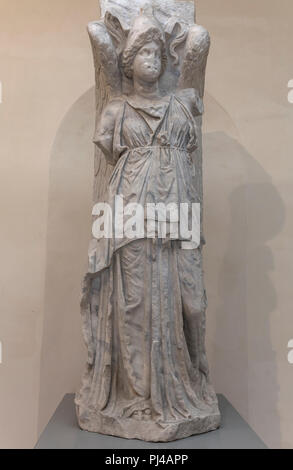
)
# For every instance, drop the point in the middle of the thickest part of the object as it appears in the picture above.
(144, 301)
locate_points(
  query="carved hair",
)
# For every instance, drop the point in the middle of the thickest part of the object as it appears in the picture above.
(129, 53)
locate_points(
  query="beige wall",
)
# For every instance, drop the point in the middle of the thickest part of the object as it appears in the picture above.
(249, 225)
(46, 168)
(45, 67)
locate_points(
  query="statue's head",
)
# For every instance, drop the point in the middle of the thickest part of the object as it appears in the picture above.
(144, 55)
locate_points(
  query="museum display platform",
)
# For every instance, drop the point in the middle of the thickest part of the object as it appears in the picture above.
(62, 432)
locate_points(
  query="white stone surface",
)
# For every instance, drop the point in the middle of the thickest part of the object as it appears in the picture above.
(163, 9)
(144, 300)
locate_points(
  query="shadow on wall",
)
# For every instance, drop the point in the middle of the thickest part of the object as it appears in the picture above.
(243, 211)
(68, 234)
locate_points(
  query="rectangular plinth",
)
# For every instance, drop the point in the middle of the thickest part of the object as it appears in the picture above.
(62, 432)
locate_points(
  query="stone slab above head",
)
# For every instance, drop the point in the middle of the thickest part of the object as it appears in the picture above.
(163, 9)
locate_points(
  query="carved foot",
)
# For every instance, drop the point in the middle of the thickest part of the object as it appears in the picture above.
(142, 415)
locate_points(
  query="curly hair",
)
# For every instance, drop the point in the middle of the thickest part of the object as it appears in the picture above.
(129, 53)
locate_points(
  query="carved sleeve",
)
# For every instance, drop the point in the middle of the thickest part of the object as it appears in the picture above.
(195, 60)
(108, 76)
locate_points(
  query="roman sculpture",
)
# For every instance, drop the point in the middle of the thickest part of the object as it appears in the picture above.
(143, 302)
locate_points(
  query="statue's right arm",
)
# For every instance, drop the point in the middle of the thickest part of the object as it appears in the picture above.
(104, 134)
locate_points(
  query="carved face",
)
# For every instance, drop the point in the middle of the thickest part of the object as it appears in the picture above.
(147, 64)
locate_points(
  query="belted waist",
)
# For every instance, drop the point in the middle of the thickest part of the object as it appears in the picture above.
(169, 147)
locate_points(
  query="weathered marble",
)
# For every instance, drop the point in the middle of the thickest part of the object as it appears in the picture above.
(164, 9)
(143, 304)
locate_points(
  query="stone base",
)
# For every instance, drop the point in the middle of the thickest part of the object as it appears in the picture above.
(63, 432)
(150, 431)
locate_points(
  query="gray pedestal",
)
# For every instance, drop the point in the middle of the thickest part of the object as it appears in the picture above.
(62, 432)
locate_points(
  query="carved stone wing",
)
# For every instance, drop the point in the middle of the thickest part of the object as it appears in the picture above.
(108, 85)
(195, 59)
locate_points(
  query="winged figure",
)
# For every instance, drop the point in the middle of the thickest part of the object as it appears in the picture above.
(144, 300)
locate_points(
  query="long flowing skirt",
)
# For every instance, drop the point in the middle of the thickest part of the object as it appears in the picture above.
(147, 374)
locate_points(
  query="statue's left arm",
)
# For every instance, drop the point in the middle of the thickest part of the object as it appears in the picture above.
(192, 76)
(191, 86)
